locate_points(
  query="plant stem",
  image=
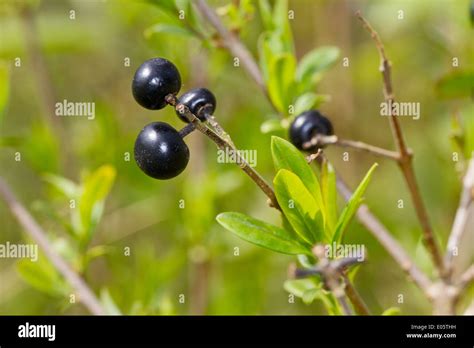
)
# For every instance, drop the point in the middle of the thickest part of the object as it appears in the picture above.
(223, 144)
(357, 302)
(357, 145)
(232, 43)
(186, 130)
(86, 295)
(406, 156)
(462, 215)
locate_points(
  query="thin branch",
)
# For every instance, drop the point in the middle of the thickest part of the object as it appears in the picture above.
(86, 295)
(466, 279)
(223, 144)
(357, 302)
(405, 161)
(232, 43)
(462, 215)
(357, 145)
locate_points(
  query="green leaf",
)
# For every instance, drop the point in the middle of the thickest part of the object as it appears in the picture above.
(168, 6)
(95, 189)
(4, 87)
(261, 233)
(281, 81)
(313, 64)
(287, 156)
(108, 303)
(329, 193)
(266, 14)
(271, 126)
(42, 276)
(457, 84)
(162, 28)
(352, 206)
(392, 311)
(299, 206)
(282, 26)
(308, 101)
(298, 287)
(67, 187)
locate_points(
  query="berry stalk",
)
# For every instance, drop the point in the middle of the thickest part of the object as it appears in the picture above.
(223, 144)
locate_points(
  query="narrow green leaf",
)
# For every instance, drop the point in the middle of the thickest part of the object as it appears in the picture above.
(329, 193)
(282, 25)
(392, 311)
(298, 287)
(271, 126)
(67, 187)
(266, 14)
(162, 28)
(308, 101)
(4, 87)
(314, 63)
(42, 276)
(287, 156)
(260, 233)
(108, 303)
(95, 189)
(299, 206)
(281, 81)
(352, 206)
(457, 84)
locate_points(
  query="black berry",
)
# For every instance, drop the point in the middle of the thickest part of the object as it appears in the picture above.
(160, 152)
(195, 99)
(307, 125)
(153, 81)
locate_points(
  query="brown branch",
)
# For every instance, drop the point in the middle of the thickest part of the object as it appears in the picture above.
(232, 43)
(224, 144)
(86, 295)
(466, 279)
(405, 162)
(357, 302)
(462, 215)
(356, 145)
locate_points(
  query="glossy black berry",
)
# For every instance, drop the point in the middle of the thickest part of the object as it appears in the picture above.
(307, 125)
(153, 81)
(195, 99)
(160, 152)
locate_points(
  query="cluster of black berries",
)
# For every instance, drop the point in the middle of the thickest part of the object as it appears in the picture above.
(160, 150)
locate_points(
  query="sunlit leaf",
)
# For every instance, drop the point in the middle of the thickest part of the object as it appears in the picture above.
(308, 101)
(352, 206)
(299, 206)
(314, 63)
(287, 156)
(163, 28)
(4, 87)
(260, 233)
(329, 193)
(281, 81)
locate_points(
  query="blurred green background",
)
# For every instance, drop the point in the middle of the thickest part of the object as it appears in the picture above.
(177, 249)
